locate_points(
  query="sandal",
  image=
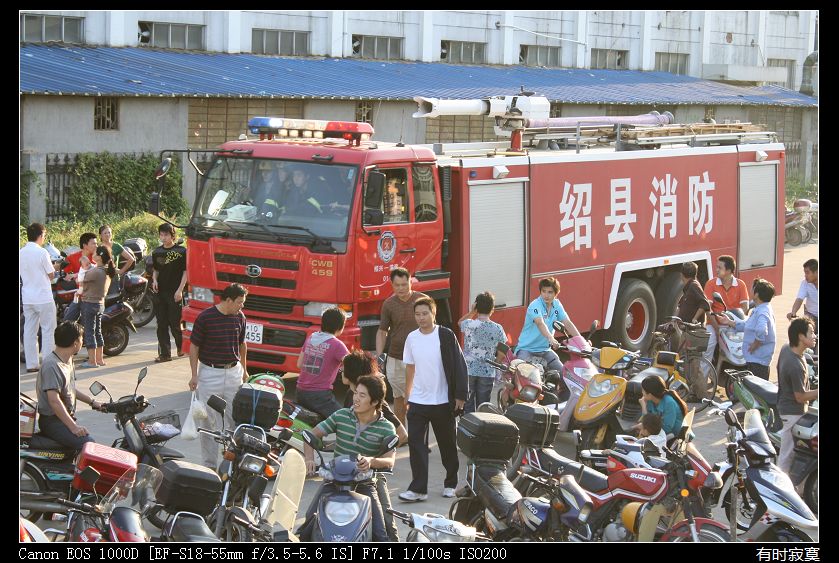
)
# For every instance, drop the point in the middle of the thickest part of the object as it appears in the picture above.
(160, 359)
(86, 365)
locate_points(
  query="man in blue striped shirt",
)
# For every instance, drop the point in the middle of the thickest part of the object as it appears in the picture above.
(360, 430)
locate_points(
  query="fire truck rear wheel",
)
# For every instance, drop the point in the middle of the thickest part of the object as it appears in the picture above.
(635, 313)
(667, 296)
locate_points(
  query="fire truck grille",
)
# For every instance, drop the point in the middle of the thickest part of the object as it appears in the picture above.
(263, 304)
(265, 358)
(283, 337)
(261, 262)
(264, 282)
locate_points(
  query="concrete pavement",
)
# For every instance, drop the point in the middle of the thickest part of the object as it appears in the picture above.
(166, 387)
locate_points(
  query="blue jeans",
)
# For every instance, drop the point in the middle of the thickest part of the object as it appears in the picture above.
(322, 402)
(52, 427)
(73, 311)
(480, 389)
(548, 356)
(92, 321)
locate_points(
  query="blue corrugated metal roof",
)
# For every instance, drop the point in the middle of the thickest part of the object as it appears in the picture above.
(135, 71)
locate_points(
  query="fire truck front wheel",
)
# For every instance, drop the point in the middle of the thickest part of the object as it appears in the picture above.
(635, 315)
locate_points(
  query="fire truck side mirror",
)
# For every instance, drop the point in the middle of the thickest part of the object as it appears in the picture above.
(154, 204)
(374, 190)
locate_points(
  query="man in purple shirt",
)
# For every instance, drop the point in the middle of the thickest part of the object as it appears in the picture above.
(217, 357)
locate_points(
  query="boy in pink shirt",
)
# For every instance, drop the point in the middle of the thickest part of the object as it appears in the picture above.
(319, 361)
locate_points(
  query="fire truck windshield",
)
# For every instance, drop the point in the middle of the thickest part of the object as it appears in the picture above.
(259, 195)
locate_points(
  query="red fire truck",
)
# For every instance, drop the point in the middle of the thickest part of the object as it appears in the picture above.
(314, 214)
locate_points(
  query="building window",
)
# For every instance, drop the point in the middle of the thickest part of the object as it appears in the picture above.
(274, 42)
(462, 52)
(609, 59)
(790, 65)
(374, 47)
(539, 55)
(674, 63)
(38, 29)
(556, 109)
(106, 114)
(364, 111)
(172, 35)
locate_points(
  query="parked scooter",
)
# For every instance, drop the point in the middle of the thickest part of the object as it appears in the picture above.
(430, 527)
(798, 222)
(143, 302)
(805, 463)
(757, 393)
(729, 352)
(344, 515)
(760, 492)
(524, 382)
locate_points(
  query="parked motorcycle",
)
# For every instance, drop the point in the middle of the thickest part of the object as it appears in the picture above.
(431, 527)
(799, 224)
(184, 496)
(755, 489)
(805, 463)
(729, 351)
(524, 382)
(757, 393)
(344, 515)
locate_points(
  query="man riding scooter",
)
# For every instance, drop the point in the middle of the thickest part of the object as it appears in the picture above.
(734, 294)
(365, 423)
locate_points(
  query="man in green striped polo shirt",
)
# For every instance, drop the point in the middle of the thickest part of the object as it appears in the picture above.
(361, 429)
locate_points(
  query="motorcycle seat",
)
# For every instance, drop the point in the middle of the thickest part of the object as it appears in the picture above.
(191, 529)
(661, 372)
(495, 491)
(41, 442)
(766, 390)
(557, 465)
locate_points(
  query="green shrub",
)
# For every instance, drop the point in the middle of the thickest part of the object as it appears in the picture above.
(64, 233)
(797, 188)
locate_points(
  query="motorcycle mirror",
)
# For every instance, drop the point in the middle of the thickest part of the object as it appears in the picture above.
(559, 327)
(313, 441)
(731, 418)
(140, 377)
(89, 475)
(594, 324)
(96, 388)
(389, 443)
(217, 404)
(163, 168)
(718, 297)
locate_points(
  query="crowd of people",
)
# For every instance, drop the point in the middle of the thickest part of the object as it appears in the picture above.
(433, 380)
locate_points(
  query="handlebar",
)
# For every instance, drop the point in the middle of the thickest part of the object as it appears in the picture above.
(497, 365)
(404, 516)
(81, 506)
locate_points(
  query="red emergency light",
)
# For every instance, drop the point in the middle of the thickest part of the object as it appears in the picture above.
(310, 129)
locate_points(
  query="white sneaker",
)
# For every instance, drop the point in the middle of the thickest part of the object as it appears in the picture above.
(448, 492)
(411, 496)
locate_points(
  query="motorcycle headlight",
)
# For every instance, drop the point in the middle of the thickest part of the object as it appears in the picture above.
(342, 513)
(252, 464)
(201, 294)
(600, 388)
(316, 309)
(436, 535)
(529, 393)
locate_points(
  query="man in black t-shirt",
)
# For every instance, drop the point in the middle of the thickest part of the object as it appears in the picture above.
(168, 282)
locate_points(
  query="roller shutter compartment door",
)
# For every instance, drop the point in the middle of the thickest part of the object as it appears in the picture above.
(758, 216)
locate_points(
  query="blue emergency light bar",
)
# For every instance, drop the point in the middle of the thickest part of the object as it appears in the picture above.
(309, 129)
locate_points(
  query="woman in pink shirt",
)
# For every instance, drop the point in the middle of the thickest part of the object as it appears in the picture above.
(319, 361)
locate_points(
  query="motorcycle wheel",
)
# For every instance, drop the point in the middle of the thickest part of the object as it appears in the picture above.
(744, 514)
(30, 480)
(785, 533)
(116, 339)
(811, 491)
(793, 236)
(143, 311)
(707, 534)
(807, 234)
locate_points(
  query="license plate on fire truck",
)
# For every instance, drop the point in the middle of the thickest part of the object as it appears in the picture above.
(253, 333)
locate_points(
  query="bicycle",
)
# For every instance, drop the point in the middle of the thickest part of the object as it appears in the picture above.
(682, 345)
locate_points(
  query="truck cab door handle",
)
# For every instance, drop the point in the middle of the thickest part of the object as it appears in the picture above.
(408, 250)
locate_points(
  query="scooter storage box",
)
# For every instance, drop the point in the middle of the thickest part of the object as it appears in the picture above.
(188, 487)
(138, 247)
(257, 406)
(482, 435)
(537, 424)
(111, 464)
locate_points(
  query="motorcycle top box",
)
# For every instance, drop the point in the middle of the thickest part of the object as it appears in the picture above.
(490, 436)
(188, 487)
(259, 406)
(537, 424)
(111, 464)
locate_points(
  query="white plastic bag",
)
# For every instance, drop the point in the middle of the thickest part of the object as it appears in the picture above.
(189, 431)
(198, 408)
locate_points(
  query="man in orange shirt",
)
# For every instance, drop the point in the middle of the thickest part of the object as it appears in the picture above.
(734, 293)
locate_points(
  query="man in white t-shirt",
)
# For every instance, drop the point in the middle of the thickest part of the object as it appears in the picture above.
(436, 385)
(36, 274)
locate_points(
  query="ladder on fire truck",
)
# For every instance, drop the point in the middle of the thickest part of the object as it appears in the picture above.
(525, 120)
